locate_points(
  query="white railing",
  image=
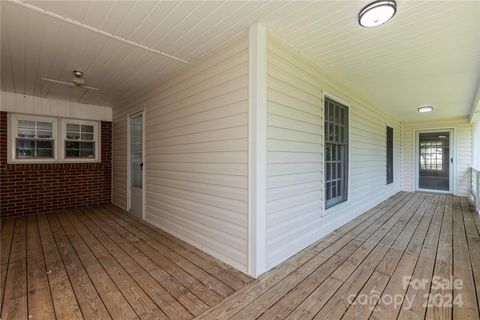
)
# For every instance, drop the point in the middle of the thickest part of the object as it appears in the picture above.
(475, 187)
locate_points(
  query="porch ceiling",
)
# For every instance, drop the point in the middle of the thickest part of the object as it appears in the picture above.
(428, 54)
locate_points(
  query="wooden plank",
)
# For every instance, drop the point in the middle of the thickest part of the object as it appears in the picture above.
(116, 304)
(405, 268)
(40, 303)
(339, 302)
(161, 257)
(64, 299)
(157, 242)
(362, 310)
(341, 236)
(192, 303)
(156, 292)
(443, 265)
(378, 281)
(315, 270)
(462, 269)
(136, 297)
(8, 225)
(368, 254)
(423, 270)
(230, 276)
(473, 240)
(15, 299)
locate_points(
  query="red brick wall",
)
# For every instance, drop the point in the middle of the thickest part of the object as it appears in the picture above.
(36, 188)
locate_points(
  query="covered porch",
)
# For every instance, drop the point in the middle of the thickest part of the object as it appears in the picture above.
(412, 250)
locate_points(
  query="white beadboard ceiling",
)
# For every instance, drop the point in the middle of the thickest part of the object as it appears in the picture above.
(428, 54)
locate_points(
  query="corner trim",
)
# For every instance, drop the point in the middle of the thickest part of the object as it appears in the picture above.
(257, 140)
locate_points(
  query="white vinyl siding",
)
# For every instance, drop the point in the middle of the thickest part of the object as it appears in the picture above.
(295, 190)
(196, 154)
(462, 154)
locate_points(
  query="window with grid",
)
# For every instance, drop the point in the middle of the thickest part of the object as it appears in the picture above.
(431, 155)
(389, 155)
(79, 141)
(34, 139)
(336, 153)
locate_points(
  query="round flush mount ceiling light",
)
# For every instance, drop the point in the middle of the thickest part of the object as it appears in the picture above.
(425, 109)
(377, 13)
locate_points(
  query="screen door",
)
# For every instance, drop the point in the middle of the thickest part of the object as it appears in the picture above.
(136, 164)
(434, 160)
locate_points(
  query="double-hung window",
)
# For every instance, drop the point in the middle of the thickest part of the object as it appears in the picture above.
(336, 153)
(80, 140)
(33, 138)
(38, 139)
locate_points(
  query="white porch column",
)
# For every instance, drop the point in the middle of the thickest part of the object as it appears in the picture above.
(257, 185)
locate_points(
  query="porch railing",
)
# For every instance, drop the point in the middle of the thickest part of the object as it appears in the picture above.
(475, 187)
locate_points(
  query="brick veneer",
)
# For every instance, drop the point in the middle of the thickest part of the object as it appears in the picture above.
(37, 188)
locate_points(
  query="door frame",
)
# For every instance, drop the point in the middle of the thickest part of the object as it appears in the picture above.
(453, 155)
(129, 195)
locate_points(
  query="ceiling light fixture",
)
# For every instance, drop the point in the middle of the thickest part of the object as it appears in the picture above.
(425, 109)
(377, 13)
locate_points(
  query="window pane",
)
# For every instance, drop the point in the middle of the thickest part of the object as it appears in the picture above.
(87, 136)
(87, 153)
(86, 128)
(72, 153)
(87, 145)
(73, 127)
(336, 153)
(26, 133)
(25, 144)
(26, 124)
(74, 149)
(71, 135)
(34, 149)
(24, 153)
(72, 145)
(44, 126)
(44, 153)
(44, 144)
(44, 134)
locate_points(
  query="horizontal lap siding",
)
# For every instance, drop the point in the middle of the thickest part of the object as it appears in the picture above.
(295, 191)
(196, 154)
(463, 142)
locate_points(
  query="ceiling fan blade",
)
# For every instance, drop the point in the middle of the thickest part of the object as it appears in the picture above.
(89, 88)
(59, 82)
(70, 84)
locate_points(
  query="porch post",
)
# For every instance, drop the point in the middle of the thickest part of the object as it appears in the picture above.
(257, 166)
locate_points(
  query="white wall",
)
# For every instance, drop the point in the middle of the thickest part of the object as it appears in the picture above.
(196, 154)
(19, 103)
(463, 151)
(295, 190)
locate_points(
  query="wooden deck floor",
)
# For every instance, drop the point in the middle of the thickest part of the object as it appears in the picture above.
(361, 270)
(99, 263)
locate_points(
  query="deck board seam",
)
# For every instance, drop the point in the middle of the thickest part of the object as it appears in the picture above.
(186, 258)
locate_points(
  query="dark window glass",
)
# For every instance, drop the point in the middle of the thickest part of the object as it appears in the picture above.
(336, 153)
(80, 141)
(34, 140)
(389, 155)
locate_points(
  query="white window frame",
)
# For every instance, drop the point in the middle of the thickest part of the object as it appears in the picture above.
(12, 138)
(96, 139)
(59, 134)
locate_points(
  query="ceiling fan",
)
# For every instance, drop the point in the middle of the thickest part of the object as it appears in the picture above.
(78, 80)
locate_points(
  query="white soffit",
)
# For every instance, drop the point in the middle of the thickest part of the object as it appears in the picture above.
(428, 53)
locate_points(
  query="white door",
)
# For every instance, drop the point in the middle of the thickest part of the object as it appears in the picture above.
(136, 164)
(435, 167)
